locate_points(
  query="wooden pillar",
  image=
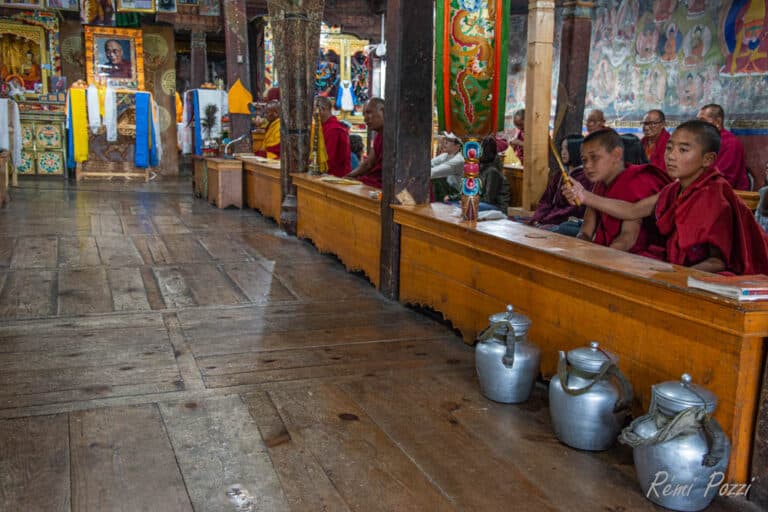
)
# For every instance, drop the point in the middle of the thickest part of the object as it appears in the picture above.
(407, 124)
(538, 94)
(759, 491)
(574, 64)
(238, 65)
(256, 51)
(296, 30)
(198, 58)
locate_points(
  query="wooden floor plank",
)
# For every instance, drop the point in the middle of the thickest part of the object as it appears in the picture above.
(83, 291)
(367, 469)
(118, 251)
(152, 250)
(127, 287)
(106, 224)
(210, 286)
(152, 288)
(7, 245)
(169, 225)
(185, 249)
(122, 460)
(137, 225)
(173, 287)
(305, 485)
(28, 294)
(311, 280)
(395, 409)
(34, 252)
(218, 448)
(258, 285)
(78, 252)
(35, 462)
(223, 248)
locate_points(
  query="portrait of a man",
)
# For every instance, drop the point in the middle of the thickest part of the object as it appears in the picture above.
(116, 62)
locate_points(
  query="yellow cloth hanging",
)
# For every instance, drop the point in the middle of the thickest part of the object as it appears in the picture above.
(179, 108)
(79, 124)
(101, 87)
(239, 98)
(322, 153)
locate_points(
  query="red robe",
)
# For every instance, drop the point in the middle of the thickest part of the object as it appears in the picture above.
(655, 152)
(636, 182)
(373, 178)
(336, 138)
(731, 161)
(708, 212)
(553, 207)
(519, 149)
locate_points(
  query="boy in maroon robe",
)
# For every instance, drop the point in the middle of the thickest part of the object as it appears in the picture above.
(336, 137)
(369, 171)
(602, 154)
(706, 225)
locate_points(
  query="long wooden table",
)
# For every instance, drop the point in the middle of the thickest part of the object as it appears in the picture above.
(574, 292)
(344, 220)
(262, 185)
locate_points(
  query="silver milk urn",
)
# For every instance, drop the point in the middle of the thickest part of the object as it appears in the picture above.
(507, 364)
(681, 452)
(589, 400)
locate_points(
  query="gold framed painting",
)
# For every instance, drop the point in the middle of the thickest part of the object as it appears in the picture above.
(24, 57)
(22, 4)
(136, 5)
(115, 55)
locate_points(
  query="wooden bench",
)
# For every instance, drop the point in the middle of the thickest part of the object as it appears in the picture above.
(514, 175)
(341, 219)
(225, 182)
(262, 185)
(574, 291)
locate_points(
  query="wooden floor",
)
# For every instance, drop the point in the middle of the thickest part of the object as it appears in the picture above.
(159, 354)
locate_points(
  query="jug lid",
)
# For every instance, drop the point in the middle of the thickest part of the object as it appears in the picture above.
(675, 396)
(519, 321)
(590, 359)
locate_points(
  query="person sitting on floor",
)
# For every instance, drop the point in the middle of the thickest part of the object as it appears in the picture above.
(270, 146)
(494, 186)
(554, 211)
(633, 150)
(602, 154)
(356, 148)
(447, 168)
(707, 226)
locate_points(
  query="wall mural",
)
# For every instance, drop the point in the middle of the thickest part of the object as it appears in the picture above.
(678, 55)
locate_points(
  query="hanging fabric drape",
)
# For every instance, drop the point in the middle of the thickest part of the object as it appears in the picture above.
(471, 65)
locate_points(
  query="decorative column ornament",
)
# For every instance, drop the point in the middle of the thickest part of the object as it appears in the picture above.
(296, 31)
(471, 70)
(198, 58)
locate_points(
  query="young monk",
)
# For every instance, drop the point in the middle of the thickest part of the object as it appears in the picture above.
(602, 154)
(707, 226)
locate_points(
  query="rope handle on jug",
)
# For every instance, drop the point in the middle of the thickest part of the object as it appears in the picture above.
(607, 370)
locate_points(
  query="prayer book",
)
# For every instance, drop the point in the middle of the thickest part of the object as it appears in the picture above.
(736, 287)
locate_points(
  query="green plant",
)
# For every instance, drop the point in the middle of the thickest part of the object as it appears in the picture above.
(208, 121)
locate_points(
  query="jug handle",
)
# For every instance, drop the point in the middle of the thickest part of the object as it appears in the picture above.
(488, 332)
(716, 440)
(563, 375)
(625, 389)
(509, 356)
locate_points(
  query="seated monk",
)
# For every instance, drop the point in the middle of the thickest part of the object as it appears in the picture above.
(553, 208)
(336, 136)
(707, 226)
(602, 154)
(30, 72)
(369, 171)
(270, 146)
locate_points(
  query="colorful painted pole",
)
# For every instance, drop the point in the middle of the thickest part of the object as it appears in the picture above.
(471, 76)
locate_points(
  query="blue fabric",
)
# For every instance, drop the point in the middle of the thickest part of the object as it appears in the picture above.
(143, 131)
(355, 160)
(198, 127)
(71, 164)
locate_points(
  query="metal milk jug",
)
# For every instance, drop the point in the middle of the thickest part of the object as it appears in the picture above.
(507, 364)
(680, 451)
(590, 401)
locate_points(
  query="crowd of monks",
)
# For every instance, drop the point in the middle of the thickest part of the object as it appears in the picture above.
(673, 202)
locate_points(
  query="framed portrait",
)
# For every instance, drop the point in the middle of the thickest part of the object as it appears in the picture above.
(209, 7)
(97, 12)
(136, 5)
(166, 6)
(187, 2)
(63, 5)
(24, 58)
(115, 55)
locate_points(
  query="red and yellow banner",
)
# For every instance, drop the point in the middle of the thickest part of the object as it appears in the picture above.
(471, 65)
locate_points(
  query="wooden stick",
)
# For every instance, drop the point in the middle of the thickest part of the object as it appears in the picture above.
(566, 178)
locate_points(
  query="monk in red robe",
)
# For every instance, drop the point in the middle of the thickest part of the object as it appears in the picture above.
(707, 227)
(270, 146)
(602, 154)
(369, 171)
(518, 142)
(336, 136)
(731, 161)
(655, 138)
